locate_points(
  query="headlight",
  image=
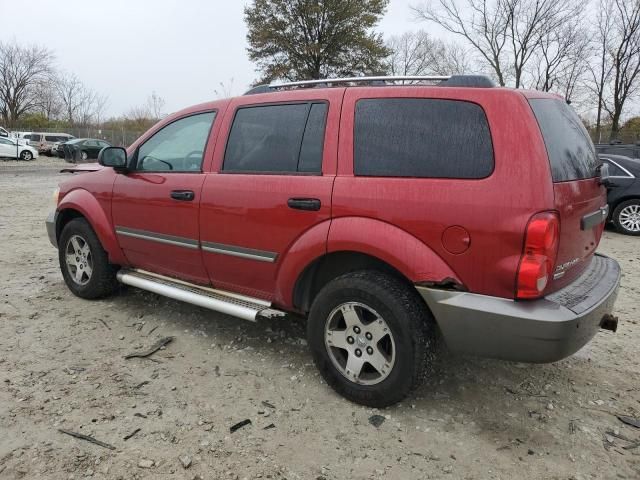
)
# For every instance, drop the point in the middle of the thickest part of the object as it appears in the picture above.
(56, 193)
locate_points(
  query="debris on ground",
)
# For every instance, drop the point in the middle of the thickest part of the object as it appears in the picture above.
(185, 460)
(634, 422)
(239, 425)
(127, 437)
(145, 463)
(376, 420)
(268, 404)
(270, 426)
(153, 349)
(87, 438)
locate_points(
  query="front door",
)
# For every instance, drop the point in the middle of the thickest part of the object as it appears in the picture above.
(155, 206)
(272, 186)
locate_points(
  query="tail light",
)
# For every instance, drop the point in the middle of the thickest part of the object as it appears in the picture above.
(538, 256)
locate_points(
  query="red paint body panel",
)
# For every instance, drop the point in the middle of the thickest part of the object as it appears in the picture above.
(491, 209)
(250, 210)
(399, 220)
(90, 194)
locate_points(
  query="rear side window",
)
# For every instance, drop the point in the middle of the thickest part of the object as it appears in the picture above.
(432, 138)
(614, 170)
(571, 153)
(277, 139)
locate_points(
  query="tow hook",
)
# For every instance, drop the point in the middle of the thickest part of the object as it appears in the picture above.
(609, 322)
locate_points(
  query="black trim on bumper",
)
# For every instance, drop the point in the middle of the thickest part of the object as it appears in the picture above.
(538, 331)
(50, 222)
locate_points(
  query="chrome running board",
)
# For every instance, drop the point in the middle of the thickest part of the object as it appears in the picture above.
(240, 306)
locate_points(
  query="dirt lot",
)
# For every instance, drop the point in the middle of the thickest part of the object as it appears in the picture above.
(62, 366)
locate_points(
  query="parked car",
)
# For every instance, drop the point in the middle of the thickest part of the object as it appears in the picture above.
(10, 148)
(626, 150)
(83, 149)
(44, 141)
(20, 136)
(624, 193)
(382, 213)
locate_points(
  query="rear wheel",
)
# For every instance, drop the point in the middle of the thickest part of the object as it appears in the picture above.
(626, 217)
(371, 337)
(84, 263)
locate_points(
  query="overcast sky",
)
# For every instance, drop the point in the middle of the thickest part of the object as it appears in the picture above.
(126, 49)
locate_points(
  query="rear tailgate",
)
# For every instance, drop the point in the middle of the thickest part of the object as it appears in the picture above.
(579, 198)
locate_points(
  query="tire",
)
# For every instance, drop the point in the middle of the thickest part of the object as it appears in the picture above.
(626, 217)
(26, 155)
(373, 296)
(84, 156)
(78, 236)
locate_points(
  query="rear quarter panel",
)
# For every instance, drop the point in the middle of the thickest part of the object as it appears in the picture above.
(494, 210)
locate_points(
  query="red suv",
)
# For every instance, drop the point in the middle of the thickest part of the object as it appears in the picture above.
(382, 211)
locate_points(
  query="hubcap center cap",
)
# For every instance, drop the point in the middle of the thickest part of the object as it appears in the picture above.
(361, 341)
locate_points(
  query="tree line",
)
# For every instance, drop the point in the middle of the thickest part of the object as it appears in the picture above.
(36, 94)
(588, 52)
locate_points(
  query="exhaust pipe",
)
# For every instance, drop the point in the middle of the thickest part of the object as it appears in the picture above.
(609, 322)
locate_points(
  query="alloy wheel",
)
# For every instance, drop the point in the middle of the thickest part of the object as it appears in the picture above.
(79, 260)
(629, 218)
(360, 343)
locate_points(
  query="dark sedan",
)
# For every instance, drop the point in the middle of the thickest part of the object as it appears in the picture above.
(624, 194)
(82, 149)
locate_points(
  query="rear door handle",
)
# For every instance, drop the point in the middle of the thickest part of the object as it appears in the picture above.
(183, 195)
(312, 204)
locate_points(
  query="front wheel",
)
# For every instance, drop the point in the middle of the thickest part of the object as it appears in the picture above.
(84, 263)
(26, 155)
(371, 337)
(626, 217)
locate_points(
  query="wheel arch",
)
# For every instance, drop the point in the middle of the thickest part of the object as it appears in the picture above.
(82, 204)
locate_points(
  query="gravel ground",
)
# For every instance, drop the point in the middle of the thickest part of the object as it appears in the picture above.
(62, 367)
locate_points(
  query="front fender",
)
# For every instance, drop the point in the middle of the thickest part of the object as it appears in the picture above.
(85, 203)
(406, 253)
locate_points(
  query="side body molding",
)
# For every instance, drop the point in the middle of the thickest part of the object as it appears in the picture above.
(403, 251)
(91, 208)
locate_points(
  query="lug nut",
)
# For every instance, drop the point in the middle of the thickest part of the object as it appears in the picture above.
(358, 352)
(370, 350)
(356, 329)
(368, 335)
(350, 340)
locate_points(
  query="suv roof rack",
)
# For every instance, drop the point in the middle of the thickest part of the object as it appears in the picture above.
(480, 81)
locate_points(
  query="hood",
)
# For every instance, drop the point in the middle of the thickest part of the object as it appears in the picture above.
(83, 168)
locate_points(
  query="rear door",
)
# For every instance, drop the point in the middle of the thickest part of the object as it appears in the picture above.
(155, 206)
(579, 198)
(273, 184)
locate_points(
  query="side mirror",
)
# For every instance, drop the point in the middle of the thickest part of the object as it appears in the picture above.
(115, 157)
(603, 173)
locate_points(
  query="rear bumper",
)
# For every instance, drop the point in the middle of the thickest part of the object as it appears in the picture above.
(538, 331)
(50, 222)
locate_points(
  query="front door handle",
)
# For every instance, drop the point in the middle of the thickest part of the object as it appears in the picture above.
(312, 204)
(183, 195)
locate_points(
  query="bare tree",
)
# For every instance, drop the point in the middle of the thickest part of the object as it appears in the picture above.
(416, 53)
(559, 62)
(22, 70)
(505, 34)
(47, 100)
(156, 105)
(226, 89)
(80, 104)
(483, 24)
(621, 64)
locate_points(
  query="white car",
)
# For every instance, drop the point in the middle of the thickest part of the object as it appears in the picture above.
(10, 149)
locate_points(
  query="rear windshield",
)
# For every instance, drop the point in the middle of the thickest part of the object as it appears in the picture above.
(571, 152)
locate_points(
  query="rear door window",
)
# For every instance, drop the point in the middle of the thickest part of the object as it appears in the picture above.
(277, 139)
(420, 137)
(571, 153)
